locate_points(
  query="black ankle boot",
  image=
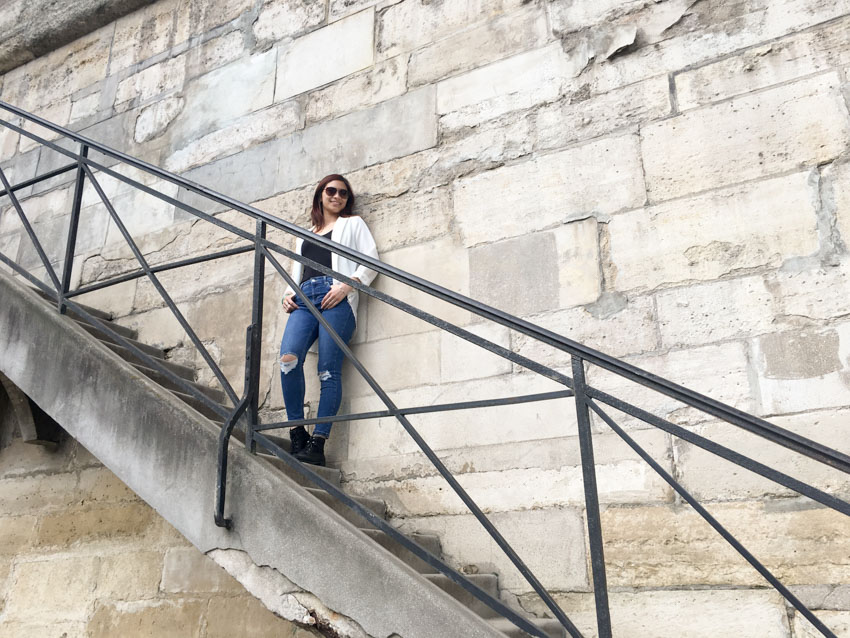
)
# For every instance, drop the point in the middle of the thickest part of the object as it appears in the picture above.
(314, 452)
(298, 439)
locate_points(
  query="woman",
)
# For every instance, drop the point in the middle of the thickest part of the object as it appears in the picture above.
(332, 218)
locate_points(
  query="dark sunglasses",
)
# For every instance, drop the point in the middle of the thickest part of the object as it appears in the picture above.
(330, 191)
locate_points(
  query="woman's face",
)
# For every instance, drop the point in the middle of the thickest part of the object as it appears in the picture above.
(334, 203)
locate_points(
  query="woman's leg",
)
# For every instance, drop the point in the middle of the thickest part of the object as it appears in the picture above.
(300, 332)
(331, 357)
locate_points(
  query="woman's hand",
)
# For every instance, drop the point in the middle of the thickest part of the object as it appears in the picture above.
(336, 294)
(288, 302)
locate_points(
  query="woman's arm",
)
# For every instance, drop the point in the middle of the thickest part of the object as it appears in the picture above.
(364, 243)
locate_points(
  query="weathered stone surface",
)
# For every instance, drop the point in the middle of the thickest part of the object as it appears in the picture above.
(132, 575)
(165, 618)
(17, 533)
(577, 117)
(408, 25)
(719, 371)
(751, 136)
(666, 546)
(316, 59)
(811, 295)
(319, 150)
(410, 219)
(186, 570)
(569, 16)
(9, 246)
(715, 311)
(160, 78)
(140, 212)
(708, 477)
(249, 85)
(58, 113)
(382, 82)
(8, 143)
(198, 16)
(765, 65)
(142, 35)
(83, 109)
(836, 189)
(19, 458)
(51, 589)
(39, 208)
(442, 262)
(88, 524)
(628, 327)
(51, 630)
(53, 236)
(386, 362)
(549, 541)
(786, 384)
(837, 621)
(599, 177)
(393, 178)
(279, 19)
(461, 360)
(245, 614)
(715, 234)
(504, 36)
(215, 53)
(154, 119)
(99, 485)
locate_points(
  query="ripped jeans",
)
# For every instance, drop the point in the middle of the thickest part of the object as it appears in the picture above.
(302, 329)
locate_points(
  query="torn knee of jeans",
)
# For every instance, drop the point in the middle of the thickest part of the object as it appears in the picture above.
(288, 362)
(324, 375)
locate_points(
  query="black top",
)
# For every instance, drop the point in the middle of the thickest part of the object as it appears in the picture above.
(318, 254)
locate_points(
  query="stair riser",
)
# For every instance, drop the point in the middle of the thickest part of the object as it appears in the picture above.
(130, 357)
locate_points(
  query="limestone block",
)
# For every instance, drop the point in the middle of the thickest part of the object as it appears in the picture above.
(39, 208)
(143, 34)
(573, 118)
(795, 56)
(517, 275)
(719, 371)
(23, 166)
(598, 177)
(802, 369)
(58, 113)
(749, 137)
(89, 524)
(470, 428)
(836, 186)
(461, 360)
(408, 25)
(85, 107)
(707, 477)
(715, 234)
(154, 119)
(700, 314)
(198, 16)
(292, 206)
(116, 299)
(549, 541)
(811, 295)
(156, 79)
(156, 327)
(53, 236)
(316, 59)
(130, 575)
(100, 485)
(8, 143)
(669, 546)
(19, 458)
(341, 8)
(390, 179)
(440, 261)
(9, 246)
(163, 618)
(52, 630)
(837, 621)
(245, 614)
(382, 82)
(215, 53)
(506, 35)
(186, 570)
(17, 533)
(410, 219)
(371, 136)
(628, 326)
(52, 589)
(569, 16)
(140, 212)
(529, 78)
(280, 19)
(398, 362)
(731, 613)
(249, 83)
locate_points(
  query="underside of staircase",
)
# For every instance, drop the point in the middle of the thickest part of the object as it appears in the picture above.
(301, 552)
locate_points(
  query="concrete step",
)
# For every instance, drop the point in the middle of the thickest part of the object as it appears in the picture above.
(198, 405)
(100, 314)
(331, 475)
(124, 332)
(376, 506)
(129, 333)
(427, 541)
(216, 395)
(130, 357)
(551, 628)
(488, 582)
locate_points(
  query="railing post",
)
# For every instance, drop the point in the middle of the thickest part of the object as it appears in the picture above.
(591, 500)
(70, 247)
(253, 363)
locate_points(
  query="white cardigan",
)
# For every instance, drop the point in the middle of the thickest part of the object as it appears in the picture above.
(351, 232)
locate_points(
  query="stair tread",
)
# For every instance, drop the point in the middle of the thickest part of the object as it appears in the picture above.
(330, 474)
(157, 377)
(101, 336)
(395, 548)
(124, 331)
(129, 356)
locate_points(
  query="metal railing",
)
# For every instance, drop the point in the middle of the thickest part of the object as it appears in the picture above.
(245, 408)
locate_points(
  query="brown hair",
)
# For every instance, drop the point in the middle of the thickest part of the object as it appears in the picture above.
(316, 215)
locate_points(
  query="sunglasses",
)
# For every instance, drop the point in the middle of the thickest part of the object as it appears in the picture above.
(330, 191)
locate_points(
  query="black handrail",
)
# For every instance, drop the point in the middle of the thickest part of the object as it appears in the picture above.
(585, 395)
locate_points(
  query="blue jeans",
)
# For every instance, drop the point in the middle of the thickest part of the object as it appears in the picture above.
(302, 329)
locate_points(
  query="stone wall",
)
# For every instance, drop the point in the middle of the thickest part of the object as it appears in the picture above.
(83, 557)
(665, 181)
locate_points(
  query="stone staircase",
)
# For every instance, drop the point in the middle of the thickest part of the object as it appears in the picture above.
(487, 582)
